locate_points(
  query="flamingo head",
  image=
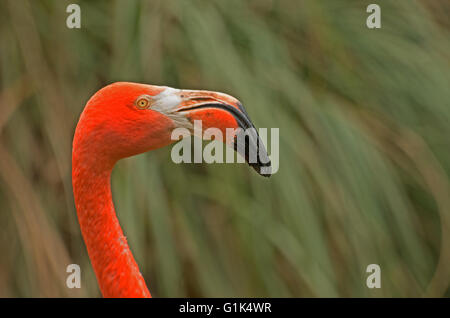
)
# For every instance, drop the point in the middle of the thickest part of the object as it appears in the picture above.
(124, 119)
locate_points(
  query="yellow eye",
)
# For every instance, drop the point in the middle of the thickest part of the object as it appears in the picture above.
(142, 102)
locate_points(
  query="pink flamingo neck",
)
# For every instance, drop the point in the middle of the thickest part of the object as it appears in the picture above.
(115, 267)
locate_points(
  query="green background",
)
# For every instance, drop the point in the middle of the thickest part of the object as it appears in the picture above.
(364, 146)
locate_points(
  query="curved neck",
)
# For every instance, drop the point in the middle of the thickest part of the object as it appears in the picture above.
(117, 272)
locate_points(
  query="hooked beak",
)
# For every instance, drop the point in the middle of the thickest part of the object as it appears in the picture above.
(222, 111)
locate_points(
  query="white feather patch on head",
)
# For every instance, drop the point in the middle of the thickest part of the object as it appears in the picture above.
(166, 103)
(167, 100)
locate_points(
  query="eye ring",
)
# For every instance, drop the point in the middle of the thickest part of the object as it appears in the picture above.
(143, 102)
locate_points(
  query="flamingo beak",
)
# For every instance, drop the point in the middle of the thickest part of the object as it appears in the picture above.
(222, 111)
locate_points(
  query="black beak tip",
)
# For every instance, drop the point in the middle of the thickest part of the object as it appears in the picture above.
(262, 165)
(247, 141)
(263, 169)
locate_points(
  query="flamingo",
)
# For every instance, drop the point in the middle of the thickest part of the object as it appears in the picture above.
(124, 119)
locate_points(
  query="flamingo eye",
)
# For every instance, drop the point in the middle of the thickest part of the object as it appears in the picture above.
(143, 102)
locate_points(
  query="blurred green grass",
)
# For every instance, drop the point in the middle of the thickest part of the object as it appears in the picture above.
(364, 146)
